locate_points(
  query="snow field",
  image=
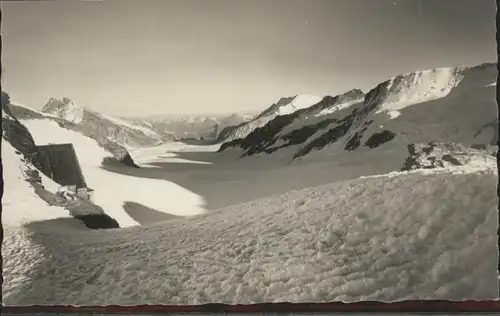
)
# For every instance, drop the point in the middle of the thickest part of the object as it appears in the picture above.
(412, 235)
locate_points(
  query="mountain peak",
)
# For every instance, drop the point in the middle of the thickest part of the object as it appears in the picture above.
(65, 109)
(288, 105)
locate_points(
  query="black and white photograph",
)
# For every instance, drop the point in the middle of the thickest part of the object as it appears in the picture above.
(188, 152)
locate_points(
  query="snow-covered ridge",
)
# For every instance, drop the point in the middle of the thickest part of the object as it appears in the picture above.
(103, 126)
(130, 125)
(284, 106)
(420, 86)
(300, 101)
(338, 107)
(68, 110)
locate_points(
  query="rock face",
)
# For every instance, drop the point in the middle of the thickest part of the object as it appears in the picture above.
(20, 138)
(226, 132)
(453, 105)
(294, 128)
(379, 139)
(439, 154)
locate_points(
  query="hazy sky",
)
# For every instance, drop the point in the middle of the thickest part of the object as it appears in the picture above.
(142, 57)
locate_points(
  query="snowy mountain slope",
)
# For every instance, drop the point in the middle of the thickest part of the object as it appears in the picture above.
(65, 109)
(450, 110)
(445, 104)
(118, 130)
(284, 106)
(383, 238)
(25, 113)
(112, 190)
(294, 128)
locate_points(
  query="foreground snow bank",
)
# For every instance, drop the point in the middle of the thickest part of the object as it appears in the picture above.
(412, 235)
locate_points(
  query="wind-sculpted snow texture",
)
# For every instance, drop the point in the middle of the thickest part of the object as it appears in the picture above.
(384, 238)
(444, 104)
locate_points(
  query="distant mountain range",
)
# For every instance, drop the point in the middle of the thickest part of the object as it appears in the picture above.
(449, 105)
(193, 126)
(131, 132)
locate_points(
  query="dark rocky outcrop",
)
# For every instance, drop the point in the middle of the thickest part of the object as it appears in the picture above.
(449, 158)
(254, 143)
(226, 131)
(301, 135)
(440, 154)
(126, 160)
(21, 139)
(331, 136)
(263, 139)
(278, 123)
(233, 143)
(98, 221)
(380, 138)
(355, 141)
(356, 117)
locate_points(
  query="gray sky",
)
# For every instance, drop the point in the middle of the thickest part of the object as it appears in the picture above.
(142, 57)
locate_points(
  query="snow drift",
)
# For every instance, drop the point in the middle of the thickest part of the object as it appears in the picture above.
(384, 238)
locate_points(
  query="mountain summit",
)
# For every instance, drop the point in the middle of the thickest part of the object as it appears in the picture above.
(65, 109)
